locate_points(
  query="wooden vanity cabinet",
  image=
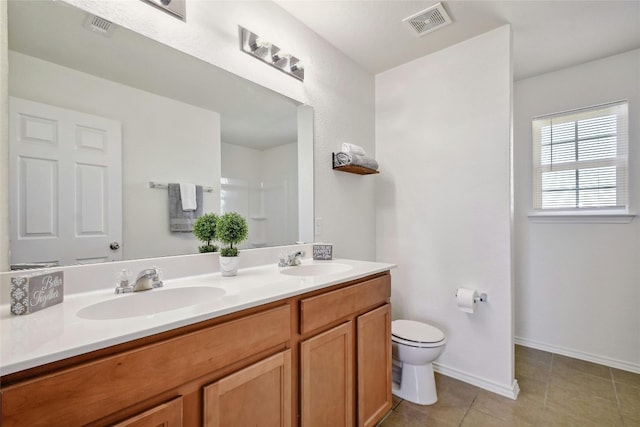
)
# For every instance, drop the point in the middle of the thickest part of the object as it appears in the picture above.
(116, 387)
(345, 369)
(321, 358)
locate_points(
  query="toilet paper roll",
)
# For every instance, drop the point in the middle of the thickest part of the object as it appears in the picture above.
(466, 299)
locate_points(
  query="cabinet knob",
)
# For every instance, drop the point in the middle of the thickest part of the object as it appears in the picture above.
(114, 246)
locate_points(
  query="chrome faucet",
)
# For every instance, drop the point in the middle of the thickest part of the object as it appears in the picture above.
(148, 278)
(290, 259)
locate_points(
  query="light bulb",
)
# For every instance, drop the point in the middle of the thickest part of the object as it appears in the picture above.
(297, 66)
(259, 44)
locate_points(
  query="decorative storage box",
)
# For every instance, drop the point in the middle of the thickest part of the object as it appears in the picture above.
(32, 292)
(322, 251)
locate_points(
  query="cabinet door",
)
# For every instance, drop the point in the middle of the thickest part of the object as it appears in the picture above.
(166, 415)
(374, 365)
(326, 372)
(259, 395)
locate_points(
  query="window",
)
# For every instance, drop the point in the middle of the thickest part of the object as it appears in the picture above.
(580, 159)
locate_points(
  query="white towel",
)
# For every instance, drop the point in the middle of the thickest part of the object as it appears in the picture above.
(188, 197)
(353, 149)
(342, 159)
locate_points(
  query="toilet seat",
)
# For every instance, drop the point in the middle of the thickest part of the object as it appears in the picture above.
(416, 334)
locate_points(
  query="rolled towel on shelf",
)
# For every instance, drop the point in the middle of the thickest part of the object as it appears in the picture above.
(353, 149)
(343, 159)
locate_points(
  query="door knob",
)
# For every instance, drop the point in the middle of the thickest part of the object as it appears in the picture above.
(114, 246)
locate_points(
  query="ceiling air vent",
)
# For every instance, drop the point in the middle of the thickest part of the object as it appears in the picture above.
(99, 25)
(429, 19)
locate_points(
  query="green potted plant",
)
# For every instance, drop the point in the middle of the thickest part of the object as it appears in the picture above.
(231, 229)
(205, 230)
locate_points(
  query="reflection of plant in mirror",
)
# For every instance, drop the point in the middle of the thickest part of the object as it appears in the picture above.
(205, 230)
(231, 229)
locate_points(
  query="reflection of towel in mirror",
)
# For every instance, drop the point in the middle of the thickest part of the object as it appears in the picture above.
(356, 160)
(180, 220)
(188, 197)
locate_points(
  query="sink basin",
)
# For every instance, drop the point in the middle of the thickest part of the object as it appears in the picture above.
(315, 269)
(149, 302)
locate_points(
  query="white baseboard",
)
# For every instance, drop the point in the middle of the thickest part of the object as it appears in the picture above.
(503, 390)
(594, 358)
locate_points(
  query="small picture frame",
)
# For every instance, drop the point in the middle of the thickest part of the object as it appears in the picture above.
(33, 292)
(322, 251)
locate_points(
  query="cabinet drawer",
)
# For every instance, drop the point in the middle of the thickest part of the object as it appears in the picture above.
(329, 307)
(107, 385)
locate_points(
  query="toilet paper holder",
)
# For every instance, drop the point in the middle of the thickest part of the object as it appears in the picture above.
(482, 297)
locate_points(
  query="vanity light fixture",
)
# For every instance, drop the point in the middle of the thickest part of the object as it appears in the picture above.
(271, 54)
(174, 7)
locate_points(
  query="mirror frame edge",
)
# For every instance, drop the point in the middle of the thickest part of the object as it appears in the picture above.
(4, 137)
(306, 212)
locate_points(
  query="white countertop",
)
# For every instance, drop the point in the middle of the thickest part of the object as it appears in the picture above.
(56, 333)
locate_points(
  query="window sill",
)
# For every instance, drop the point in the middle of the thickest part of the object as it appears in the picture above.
(588, 217)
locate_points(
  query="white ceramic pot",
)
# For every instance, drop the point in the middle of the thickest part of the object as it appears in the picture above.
(229, 265)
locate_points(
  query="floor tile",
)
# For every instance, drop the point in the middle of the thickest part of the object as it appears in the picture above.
(395, 419)
(409, 414)
(395, 401)
(555, 391)
(524, 411)
(628, 422)
(452, 392)
(570, 404)
(532, 389)
(625, 377)
(454, 399)
(568, 363)
(479, 419)
(554, 417)
(629, 399)
(570, 381)
(532, 355)
(532, 370)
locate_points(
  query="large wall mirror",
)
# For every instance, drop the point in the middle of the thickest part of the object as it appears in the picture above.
(99, 113)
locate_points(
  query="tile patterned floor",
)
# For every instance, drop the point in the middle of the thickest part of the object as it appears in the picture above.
(555, 391)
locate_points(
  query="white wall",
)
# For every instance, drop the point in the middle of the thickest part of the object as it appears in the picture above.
(341, 93)
(163, 140)
(578, 285)
(443, 203)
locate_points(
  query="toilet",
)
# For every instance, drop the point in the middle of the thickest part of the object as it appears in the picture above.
(415, 346)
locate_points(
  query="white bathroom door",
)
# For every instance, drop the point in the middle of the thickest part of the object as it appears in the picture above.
(65, 176)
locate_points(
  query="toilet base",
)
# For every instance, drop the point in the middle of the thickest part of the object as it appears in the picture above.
(417, 384)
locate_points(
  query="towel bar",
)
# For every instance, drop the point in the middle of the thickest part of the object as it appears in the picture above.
(153, 184)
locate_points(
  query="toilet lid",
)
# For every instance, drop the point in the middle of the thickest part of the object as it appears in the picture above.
(416, 331)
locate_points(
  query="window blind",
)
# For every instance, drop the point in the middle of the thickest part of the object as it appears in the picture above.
(580, 159)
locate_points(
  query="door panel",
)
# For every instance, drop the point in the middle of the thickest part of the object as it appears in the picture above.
(259, 395)
(65, 185)
(166, 415)
(374, 365)
(326, 372)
